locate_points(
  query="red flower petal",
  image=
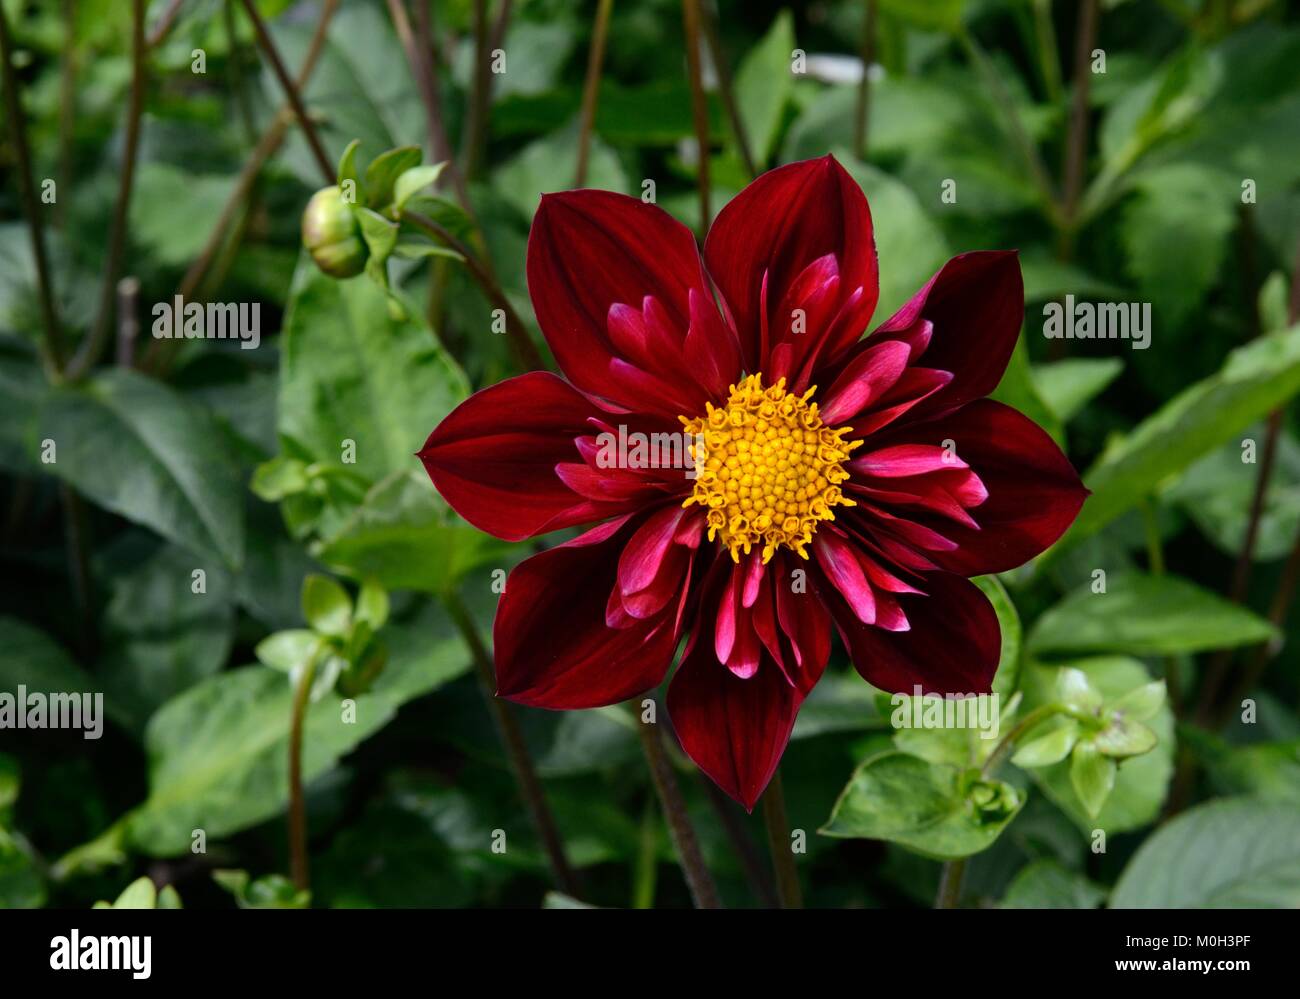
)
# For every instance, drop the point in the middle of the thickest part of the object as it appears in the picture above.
(589, 251)
(734, 729)
(952, 646)
(553, 646)
(976, 303)
(1034, 493)
(494, 458)
(765, 253)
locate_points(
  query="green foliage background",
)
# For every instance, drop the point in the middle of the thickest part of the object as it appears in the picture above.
(214, 458)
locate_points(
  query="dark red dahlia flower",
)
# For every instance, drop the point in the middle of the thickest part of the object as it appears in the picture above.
(827, 478)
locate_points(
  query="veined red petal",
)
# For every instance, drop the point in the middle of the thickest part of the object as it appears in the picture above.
(553, 646)
(591, 250)
(1034, 493)
(494, 458)
(768, 236)
(975, 303)
(952, 646)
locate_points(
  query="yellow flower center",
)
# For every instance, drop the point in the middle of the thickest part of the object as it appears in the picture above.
(769, 470)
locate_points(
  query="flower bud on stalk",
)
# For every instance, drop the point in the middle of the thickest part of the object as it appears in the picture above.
(331, 234)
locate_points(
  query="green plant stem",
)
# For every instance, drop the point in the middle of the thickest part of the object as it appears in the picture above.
(93, 346)
(646, 869)
(1076, 144)
(521, 760)
(298, 861)
(699, 106)
(867, 51)
(525, 350)
(698, 879)
(53, 348)
(291, 92)
(1045, 43)
(778, 841)
(950, 879)
(591, 88)
(757, 871)
(474, 141)
(726, 85)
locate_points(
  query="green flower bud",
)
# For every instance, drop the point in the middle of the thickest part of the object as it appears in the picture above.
(331, 234)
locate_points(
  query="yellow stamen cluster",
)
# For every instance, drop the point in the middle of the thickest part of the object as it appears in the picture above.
(770, 469)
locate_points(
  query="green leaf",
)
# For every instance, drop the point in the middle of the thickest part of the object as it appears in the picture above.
(1069, 385)
(286, 650)
(935, 810)
(1266, 769)
(1075, 689)
(165, 193)
(407, 538)
(1019, 390)
(1145, 615)
(1254, 380)
(139, 894)
(1175, 234)
(1045, 884)
(763, 85)
(1229, 853)
(350, 373)
(1048, 749)
(22, 885)
(372, 604)
(279, 477)
(1092, 775)
(348, 168)
(160, 636)
(137, 448)
(413, 180)
(1124, 737)
(383, 171)
(559, 900)
(1142, 703)
(271, 891)
(379, 233)
(30, 657)
(326, 605)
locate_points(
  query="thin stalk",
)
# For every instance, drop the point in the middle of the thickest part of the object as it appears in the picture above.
(950, 879)
(235, 65)
(67, 102)
(698, 879)
(474, 142)
(862, 120)
(291, 91)
(521, 760)
(591, 88)
(525, 350)
(778, 841)
(699, 107)
(757, 871)
(164, 26)
(298, 860)
(726, 85)
(53, 349)
(93, 347)
(645, 872)
(1045, 42)
(1076, 145)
